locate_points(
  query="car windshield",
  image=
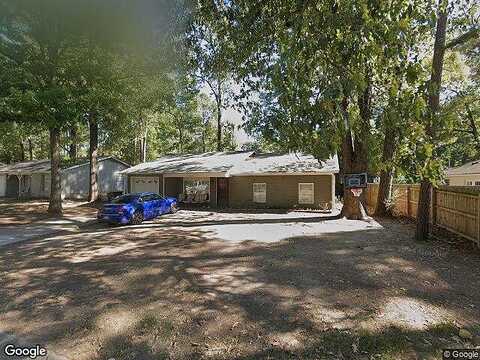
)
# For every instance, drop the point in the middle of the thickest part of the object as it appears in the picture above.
(125, 199)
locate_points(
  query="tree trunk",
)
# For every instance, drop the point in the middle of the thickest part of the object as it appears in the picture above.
(73, 150)
(30, 149)
(386, 174)
(219, 116)
(55, 204)
(93, 153)
(204, 145)
(219, 129)
(143, 155)
(473, 127)
(423, 212)
(22, 151)
(353, 162)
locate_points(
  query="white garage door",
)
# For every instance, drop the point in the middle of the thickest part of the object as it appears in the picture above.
(144, 184)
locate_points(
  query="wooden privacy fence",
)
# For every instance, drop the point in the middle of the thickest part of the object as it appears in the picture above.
(454, 208)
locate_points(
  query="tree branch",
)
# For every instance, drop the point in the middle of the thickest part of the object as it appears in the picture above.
(463, 38)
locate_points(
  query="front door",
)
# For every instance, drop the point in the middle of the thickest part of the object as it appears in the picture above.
(222, 192)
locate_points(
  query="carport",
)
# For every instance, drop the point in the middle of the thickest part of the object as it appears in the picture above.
(12, 189)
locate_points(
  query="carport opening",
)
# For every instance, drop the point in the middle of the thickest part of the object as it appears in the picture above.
(13, 186)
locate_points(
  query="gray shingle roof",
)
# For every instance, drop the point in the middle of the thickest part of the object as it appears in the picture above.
(284, 163)
(237, 163)
(40, 166)
(208, 162)
(35, 166)
(472, 167)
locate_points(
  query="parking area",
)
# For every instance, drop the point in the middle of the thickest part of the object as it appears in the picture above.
(245, 285)
(21, 212)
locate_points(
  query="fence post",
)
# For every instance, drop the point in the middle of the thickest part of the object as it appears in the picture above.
(434, 206)
(478, 220)
(408, 201)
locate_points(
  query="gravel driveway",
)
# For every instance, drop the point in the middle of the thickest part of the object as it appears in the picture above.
(242, 286)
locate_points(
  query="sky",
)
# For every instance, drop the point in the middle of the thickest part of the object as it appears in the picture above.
(233, 116)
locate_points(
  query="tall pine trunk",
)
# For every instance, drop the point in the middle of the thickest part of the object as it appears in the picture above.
(55, 204)
(22, 151)
(424, 201)
(73, 149)
(143, 150)
(219, 116)
(93, 154)
(219, 128)
(30, 149)
(386, 174)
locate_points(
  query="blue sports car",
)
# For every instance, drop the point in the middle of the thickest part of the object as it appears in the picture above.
(134, 208)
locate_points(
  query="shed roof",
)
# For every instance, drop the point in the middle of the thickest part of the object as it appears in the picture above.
(237, 163)
(42, 166)
(35, 166)
(472, 167)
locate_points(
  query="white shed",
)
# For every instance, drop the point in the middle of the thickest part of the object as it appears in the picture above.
(31, 179)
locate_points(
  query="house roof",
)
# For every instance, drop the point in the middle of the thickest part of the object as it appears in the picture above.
(219, 162)
(472, 167)
(42, 166)
(237, 163)
(289, 163)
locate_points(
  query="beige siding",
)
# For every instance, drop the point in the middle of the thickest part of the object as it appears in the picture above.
(282, 191)
(461, 180)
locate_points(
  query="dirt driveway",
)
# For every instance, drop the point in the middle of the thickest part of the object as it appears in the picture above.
(241, 286)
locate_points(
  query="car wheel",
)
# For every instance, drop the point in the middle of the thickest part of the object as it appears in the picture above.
(173, 208)
(137, 218)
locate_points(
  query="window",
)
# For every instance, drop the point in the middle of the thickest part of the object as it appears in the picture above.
(305, 193)
(477, 183)
(125, 199)
(148, 197)
(260, 192)
(469, 182)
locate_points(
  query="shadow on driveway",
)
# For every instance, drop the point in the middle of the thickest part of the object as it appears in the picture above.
(161, 291)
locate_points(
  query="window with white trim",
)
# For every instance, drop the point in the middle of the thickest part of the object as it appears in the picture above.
(306, 193)
(477, 183)
(469, 183)
(259, 192)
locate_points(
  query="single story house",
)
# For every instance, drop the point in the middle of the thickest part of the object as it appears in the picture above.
(31, 179)
(466, 175)
(241, 179)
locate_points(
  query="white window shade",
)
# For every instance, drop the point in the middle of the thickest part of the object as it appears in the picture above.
(306, 193)
(260, 192)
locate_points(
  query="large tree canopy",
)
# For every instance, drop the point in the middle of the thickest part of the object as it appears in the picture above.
(313, 72)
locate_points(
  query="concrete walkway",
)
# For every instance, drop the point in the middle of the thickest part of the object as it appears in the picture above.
(17, 233)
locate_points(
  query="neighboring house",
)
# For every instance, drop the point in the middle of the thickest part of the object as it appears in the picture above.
(239, 179)
(466, 175)
(31, 179)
